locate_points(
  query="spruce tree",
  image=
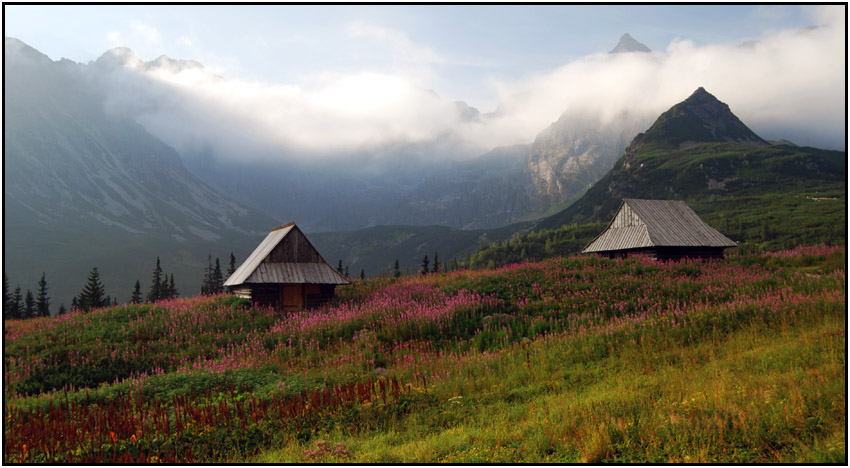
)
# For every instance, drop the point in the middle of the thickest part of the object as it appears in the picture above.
(155, 292)
(93, 294)
(339, 267)
(15, 305)
(172, 289)
(75, 303)
(362, 274)
(207, 286)
(347, 275)
(29, 305)
(232, 268)
(61, 310)
(436, 263)
(396, 269)
(6, 297)
(217, 280)
(136, 297)
(42, 301)
(425, 263)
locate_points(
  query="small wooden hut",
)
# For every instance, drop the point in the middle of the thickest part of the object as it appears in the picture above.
(662, 229)
(285, 271)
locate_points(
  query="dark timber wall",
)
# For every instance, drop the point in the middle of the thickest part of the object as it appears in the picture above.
(291, 297)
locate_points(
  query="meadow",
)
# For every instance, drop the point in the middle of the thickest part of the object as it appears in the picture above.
(576, 359)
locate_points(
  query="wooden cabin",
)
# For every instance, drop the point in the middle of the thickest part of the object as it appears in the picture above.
(661, 229)
(286, 272)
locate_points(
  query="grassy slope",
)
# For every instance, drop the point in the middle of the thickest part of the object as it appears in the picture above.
(764, 198)
(775, 179)
(736, 361)
(752, 396)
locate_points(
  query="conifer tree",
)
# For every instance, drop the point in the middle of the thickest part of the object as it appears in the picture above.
(232, 268)
(339, 267)
(42, 301)
(164, 292)
(396, 269)
(15, 305)
(172, 289)
(136, 297)
(436, 263)
(206, 287)
(347, 275)
(75, 303)
(155, 292)
(61, 310)
(217, 280)
(362, 274)
(93, 294)
(6, 297)
(425, 263)
(29, 305)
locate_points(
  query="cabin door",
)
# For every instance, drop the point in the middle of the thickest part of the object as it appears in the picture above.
(292, 297)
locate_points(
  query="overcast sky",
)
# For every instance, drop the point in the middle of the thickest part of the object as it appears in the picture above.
(293, 72)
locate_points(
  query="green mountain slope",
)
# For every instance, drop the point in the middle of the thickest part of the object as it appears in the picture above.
(762, 196)
(375, 249)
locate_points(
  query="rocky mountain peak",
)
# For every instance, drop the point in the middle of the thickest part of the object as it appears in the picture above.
(117, 57)
(701, 118)
(629, 44)
(14, 49)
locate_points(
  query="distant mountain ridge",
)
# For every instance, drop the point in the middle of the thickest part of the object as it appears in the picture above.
(83, 188)
(501, 186)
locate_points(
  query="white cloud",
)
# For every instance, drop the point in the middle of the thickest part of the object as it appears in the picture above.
(185, 42)
(146, 32)
(403, 48)
(114, 38)
(788, 85)
(792, 80)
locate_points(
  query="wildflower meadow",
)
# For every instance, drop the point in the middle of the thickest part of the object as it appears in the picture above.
(577, 359)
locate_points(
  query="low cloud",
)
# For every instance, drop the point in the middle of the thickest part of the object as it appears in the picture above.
(788, 85)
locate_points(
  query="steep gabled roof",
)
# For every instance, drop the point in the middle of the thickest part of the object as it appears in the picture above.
(656, 223)
(308, 268)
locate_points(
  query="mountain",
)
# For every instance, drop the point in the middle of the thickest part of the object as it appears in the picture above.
(571, 154)
(628, 44)
(375, 249)
(700, 152)
(84, 188)
(431, 181)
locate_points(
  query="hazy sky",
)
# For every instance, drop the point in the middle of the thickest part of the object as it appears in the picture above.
(328, 79)
(458, 51)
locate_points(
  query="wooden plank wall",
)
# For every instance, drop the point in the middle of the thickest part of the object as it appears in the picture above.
(294, 248)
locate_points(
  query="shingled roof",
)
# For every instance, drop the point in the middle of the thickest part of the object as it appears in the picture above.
(656, 223)
(285, 256)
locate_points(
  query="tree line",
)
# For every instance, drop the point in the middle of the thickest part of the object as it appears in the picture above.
(17, 305)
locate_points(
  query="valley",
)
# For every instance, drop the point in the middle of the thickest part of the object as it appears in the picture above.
(321, 234)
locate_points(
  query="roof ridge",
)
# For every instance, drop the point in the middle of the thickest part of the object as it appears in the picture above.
(283, 226)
